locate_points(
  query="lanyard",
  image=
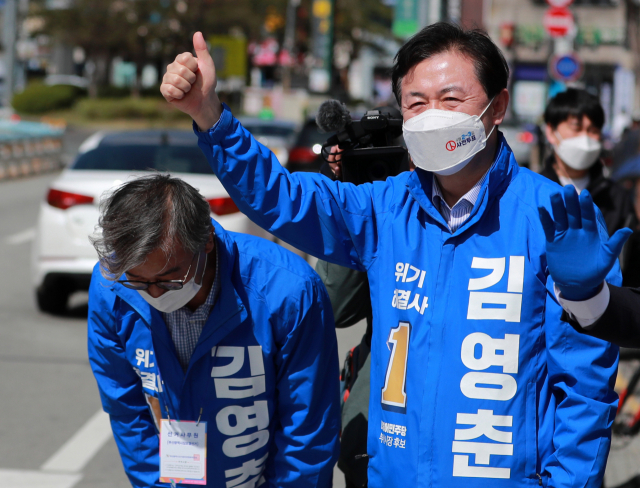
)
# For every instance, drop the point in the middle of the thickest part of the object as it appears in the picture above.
(166, 405)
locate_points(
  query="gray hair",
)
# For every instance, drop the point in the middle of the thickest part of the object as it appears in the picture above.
(146, 214)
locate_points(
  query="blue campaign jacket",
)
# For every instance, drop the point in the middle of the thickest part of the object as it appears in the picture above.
(264, 372)
(475, 380)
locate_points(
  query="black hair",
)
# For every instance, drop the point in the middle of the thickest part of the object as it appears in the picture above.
(149, 213)
(574, 103)
(491, 68)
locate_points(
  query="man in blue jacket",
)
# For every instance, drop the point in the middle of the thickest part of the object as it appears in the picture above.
(214, 352)
(474, 380)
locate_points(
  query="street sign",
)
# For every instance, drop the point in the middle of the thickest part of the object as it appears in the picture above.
(560, 3)
(230, 56)
(566, 67)
(405, 18)
(558, 21)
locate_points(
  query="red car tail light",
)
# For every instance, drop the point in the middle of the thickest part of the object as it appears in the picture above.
(302, 155)
(222, 206)
(65, 199)
(526, 137)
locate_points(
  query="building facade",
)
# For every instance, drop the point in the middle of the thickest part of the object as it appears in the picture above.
(604, 40)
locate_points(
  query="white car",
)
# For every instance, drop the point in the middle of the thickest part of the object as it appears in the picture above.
(63, 258)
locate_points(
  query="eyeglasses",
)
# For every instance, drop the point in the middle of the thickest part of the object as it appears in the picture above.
(164, 285)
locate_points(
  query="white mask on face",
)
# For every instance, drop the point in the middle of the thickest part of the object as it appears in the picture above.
(578, 152)
(442, 141)
(172, 300)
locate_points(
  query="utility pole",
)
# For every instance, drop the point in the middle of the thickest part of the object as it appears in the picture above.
(322, 14)
(9, 41)
(289, 40)
(435, 11)
(633, 34)
(454, 11)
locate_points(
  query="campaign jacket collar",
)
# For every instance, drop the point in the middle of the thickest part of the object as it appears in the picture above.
(500, 175)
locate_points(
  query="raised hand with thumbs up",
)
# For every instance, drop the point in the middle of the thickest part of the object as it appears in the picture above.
(190, 85)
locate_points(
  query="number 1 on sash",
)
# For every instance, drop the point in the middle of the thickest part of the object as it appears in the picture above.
(394, 395)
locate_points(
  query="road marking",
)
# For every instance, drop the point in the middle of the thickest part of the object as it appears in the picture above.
(14, 478)
(21, 237)
(83, 445)
(63, 469)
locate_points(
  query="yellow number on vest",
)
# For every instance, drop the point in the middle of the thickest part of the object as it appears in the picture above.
(394, 396)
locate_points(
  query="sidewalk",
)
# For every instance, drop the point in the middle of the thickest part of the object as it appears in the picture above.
(624, 458)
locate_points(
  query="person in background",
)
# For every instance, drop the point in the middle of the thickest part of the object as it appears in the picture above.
(349, 293)
(573, 126)
(350, 297)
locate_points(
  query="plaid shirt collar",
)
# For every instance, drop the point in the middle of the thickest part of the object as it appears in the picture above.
(186, 326)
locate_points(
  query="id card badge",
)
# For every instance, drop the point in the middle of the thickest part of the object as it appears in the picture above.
(183, 452)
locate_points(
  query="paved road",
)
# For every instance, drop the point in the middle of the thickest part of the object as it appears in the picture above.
(52, 433)
(48, 392)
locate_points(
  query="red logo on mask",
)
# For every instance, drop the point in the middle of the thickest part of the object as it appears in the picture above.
(451, 145)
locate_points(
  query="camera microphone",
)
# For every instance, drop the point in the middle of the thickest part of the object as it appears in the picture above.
(369, 150)
(333, 116)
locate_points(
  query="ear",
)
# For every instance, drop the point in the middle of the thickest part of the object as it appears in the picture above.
(499, 106)
(210, 244)
(551, 135)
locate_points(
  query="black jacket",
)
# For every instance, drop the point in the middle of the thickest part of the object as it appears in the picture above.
(613, 200)
(616, 205)
(620, 323)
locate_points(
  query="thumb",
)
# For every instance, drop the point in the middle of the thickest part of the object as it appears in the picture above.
(200, 47)
(617, 240)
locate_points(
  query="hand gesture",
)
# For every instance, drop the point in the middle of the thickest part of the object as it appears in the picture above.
(335, 161)
(189, 85)
(578, 258)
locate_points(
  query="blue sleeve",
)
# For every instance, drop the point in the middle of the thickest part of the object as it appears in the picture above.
(582, 372)
(306, 443)
(330, 220)
(121, 391)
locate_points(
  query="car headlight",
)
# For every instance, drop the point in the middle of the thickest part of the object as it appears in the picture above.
(282, 154)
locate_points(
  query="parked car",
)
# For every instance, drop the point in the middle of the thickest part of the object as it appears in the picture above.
(305, 153)
(63, 258)
(277, 135)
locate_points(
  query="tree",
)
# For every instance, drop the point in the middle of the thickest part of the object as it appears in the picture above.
(154, 31)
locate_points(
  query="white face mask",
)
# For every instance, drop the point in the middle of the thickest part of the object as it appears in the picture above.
(578, 152)
(172, 300)
(442, 141)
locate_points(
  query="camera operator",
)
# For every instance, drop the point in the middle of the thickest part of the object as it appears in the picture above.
(349, 293)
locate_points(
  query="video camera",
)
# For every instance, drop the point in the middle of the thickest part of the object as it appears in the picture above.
(368, 150)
